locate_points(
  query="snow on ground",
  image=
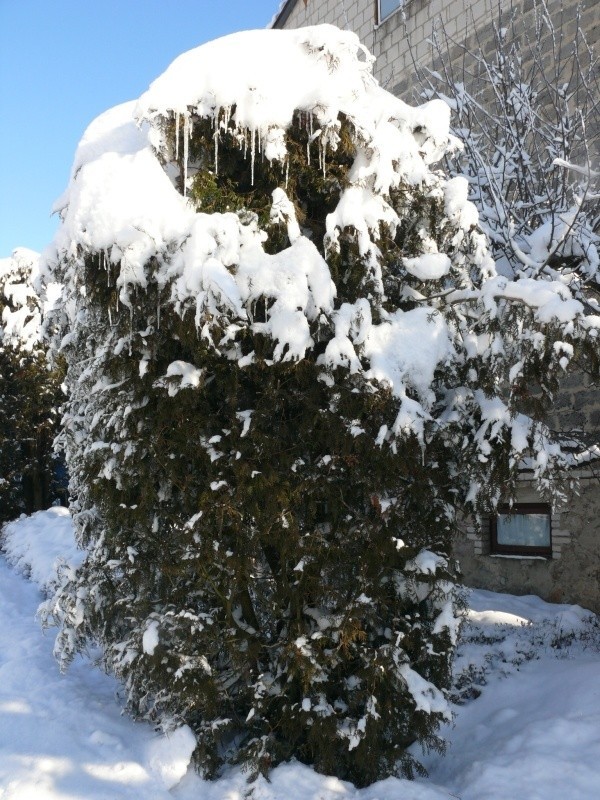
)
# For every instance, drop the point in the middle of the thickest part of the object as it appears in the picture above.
(528, 726)
(62, 736)
(527, 712)
(35, 545)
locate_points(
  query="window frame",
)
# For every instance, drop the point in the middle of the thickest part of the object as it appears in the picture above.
(380, 19)
(524, 509)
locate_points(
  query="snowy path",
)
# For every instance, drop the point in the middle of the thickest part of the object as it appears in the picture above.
(534, 733)
(535, 738)
(62, 736)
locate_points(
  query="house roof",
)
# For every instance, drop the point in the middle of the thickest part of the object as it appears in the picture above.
(282, 15)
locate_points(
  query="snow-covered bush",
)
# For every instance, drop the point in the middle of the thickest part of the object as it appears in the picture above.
(29, 392)
(290, 363)
(528, 113)
(494, 645)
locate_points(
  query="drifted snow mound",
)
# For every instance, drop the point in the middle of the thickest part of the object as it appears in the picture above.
(39, 544)
(169, 756)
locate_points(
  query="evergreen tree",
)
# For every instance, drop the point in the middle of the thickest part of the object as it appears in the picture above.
(29, 393)
(283, 388)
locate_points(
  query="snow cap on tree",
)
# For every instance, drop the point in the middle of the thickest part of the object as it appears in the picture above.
(121, 202)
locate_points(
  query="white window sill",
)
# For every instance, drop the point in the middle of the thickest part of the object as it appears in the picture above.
(520, 558)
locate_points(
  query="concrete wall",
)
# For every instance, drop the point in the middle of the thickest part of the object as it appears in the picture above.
(403, 38)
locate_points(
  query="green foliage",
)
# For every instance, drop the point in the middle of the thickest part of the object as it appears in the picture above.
(237, 186)
(29, 398)
(264, 562)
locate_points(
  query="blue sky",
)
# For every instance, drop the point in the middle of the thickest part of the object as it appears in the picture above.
(63, 62)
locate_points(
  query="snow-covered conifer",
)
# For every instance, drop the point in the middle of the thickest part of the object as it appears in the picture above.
(29, 392)
(290, 363)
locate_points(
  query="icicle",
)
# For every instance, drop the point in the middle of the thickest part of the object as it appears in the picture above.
(287, 172)
(252, 156)
(308, 141)
(177, 136)
(216, 138)
(217, 150)
(186, 150)
(158, 315)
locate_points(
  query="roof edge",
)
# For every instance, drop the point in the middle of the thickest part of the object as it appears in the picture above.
(282, 16)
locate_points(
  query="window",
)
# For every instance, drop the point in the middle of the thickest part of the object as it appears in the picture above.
(522, 530)
(387, 6)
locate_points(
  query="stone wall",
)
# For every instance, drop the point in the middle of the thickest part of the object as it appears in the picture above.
(577, 408)
(573, 573)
